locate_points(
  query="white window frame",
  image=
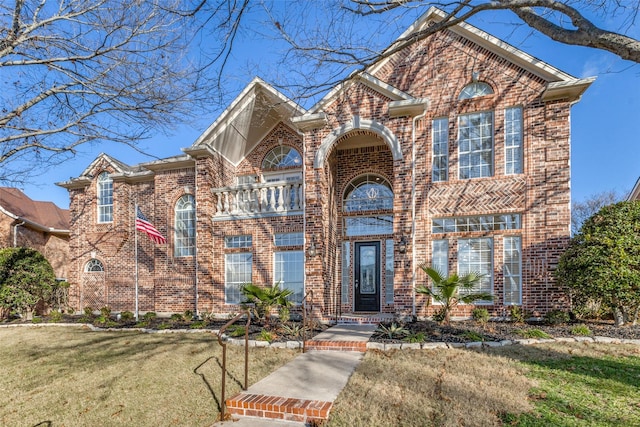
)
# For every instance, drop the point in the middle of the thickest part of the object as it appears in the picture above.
(240, 241)
(287, 264)
(440, 149)
(346, 272)
(512, 262)
(94, 266)
(513, 141)
(235, 278)
(389, 273)
(185, 226)
(289, 239)
(475, 265)
(105, 198)
(471, 149)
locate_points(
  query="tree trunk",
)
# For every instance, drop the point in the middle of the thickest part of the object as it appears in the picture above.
(618, 316)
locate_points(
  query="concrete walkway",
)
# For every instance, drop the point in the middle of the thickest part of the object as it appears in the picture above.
(304, 389)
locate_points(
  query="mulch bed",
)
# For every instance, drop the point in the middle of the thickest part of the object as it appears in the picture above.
(469, 331)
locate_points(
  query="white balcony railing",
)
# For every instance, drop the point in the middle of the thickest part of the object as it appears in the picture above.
(282, 197)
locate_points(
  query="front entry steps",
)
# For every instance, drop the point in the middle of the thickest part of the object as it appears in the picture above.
(364, 318)
(303, 390)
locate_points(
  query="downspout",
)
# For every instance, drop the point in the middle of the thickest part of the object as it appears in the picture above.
(15, 234)
(413, 211)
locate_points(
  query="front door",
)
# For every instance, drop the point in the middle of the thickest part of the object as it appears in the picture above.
(367, 276)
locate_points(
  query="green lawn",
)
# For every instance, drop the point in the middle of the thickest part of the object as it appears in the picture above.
(61, 376)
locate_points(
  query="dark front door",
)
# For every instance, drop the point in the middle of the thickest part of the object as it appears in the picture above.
(367, 276)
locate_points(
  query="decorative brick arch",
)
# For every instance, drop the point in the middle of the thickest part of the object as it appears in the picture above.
(357, 124)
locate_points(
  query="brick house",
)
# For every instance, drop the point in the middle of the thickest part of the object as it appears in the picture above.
(452, 152)
(42, 226)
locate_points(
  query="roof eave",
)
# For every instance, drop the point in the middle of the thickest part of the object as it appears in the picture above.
(571, 90)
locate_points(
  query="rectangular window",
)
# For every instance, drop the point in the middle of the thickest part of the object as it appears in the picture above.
(440, 161)
(440, 256)
(289, 239)
(513, 146)
(288, 272)
(368, 225)
(476, 223)
(238, 268)
(512, 270)
(238, 241)
(476, 255)
(246, 179)
(346, 276)
(475, 145)
(389, 273)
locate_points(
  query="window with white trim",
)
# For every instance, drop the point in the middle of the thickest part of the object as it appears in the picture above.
(440, 256)
(93, 265)
(282, 157)
(513, 146)
(440, 142)
(389, 272)
(105, 198)
(288, 239)
(512, 270)
(346, 275)
(474, 90)
(185, 226)
(368, 192)
(243, 241)
(238, 267)
(288, 272)
(476, 256)
(475, 145)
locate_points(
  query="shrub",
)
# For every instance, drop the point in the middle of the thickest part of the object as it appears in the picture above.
(293, 330)
(267, 336)
(480, 315)
(149, 316)
(266, 299)
(127, 316)
(439, 315)
(556, 317)
(197, 325)
(517, 314)
(393, 331)
(26, 278)
(236, 331)
(177, 317)
(473, 336)
(581, 330)
(533, 333)
(415, 337)
(55, 316)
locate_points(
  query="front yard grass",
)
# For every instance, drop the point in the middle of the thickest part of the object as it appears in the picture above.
(71, 376)
(556, 384)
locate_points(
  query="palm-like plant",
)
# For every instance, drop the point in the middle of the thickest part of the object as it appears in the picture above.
(452, 290)
(265, 299)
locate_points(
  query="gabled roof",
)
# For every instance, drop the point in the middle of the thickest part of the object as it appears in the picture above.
(43, 216)
(635, 193)
(249, 118)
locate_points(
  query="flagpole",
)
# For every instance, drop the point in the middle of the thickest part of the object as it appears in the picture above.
(135, 216)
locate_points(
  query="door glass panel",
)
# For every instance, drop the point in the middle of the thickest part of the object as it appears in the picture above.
(367, 269)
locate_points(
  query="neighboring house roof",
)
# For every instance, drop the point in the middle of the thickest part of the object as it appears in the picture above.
(635, 193)
(42, 216)
(249, 118)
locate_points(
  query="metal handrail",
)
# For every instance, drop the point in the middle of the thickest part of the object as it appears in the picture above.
(305, 310)
(223, 344)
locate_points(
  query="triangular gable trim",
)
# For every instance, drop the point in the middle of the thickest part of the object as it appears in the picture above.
(116, 164)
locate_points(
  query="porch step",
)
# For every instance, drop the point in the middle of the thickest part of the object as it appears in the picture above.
(364, 319)
(343, 337)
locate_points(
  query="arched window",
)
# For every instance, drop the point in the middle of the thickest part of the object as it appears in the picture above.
(368, 192)
(282, 157)
(105, 198)
(93, 265)
(185, 225)
(475, 89)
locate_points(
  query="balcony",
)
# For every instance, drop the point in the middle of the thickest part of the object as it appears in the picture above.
(255, 200)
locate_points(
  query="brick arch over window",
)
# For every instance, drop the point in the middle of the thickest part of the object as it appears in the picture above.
(357, 124)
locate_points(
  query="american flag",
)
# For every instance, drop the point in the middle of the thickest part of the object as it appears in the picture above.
(143, 224)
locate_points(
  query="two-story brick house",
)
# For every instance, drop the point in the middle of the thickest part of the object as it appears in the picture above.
(452, 152)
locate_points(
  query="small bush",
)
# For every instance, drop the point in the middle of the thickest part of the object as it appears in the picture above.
(149, 316)
(533, 333)
(55, 316)
(187, 315)
(284, 314)
(88, 312)
(197, 325)
(236, 331)
(36, 319)
(582, 330)
(293, 330)
(473, 336)
(439, 315)
(266, 336)
(127, 316)
(415, 337)
(556, 317)
(517, 314)
(177, 317)
(164, 325)
(393, 331)
(480, 315)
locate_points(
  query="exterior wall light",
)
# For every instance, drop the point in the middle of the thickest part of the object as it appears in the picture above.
(402, 246)
(312, 251)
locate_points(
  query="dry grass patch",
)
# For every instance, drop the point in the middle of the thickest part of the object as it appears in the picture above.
(432, 388)
(76, 377)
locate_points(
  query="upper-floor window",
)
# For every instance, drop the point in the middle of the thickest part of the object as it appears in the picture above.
(282, 157)
(368, 192)
(105, 198)
(440, 138)
(474, 90)
(513, 141)
(93, 265)
(185, 226)
(475, 145)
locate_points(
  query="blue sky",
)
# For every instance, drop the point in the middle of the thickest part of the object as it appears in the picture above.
(605, 123)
